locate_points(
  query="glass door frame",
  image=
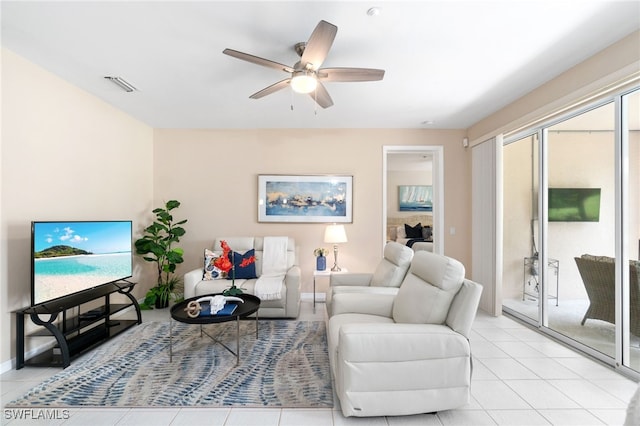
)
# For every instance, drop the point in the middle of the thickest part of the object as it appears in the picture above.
(621, 164)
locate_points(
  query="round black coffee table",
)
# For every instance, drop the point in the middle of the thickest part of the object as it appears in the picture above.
(251, 305)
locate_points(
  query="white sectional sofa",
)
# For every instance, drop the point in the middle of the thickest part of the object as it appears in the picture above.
(288, 306)
(408, 353)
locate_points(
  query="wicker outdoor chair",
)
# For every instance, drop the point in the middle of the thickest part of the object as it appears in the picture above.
(598, 275)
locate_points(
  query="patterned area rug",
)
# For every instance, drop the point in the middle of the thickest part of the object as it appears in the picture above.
(287, 366)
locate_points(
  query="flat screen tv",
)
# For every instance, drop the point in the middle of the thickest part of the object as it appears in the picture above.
(73, 257)
(574, 205)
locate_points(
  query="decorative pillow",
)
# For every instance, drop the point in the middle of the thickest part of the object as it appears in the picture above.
(400, 232)
(246, 272)
(413, 231)
(210, 271)
(606, 259)
(426, 233)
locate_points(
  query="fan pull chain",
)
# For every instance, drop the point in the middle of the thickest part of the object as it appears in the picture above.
(315, 98)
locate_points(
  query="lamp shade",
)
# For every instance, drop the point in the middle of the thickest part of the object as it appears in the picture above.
(335, 234)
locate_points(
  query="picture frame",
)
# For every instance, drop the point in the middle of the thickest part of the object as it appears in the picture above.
(305, 198)
(415, 198)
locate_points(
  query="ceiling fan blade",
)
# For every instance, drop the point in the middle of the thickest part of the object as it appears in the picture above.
(257, 60)
(321, 96)
(318, 45)
(350, 74)
(271, 89)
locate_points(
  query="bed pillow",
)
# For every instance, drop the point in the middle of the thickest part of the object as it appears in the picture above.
(427, 233)
(413, 231)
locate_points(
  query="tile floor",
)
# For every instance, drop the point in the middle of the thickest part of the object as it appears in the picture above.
(520, 378)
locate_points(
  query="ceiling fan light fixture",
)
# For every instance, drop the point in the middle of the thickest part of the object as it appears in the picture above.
(303, 82)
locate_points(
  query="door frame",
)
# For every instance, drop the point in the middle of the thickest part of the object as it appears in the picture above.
(437, 153)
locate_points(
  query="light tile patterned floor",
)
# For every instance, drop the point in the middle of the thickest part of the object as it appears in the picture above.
(520, 378)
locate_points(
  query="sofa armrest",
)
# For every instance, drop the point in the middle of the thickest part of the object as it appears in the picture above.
(350, 278)
(292, 281)
(363, 303)
(464, 307)
(191, 279)
(395, 343)
(293, 275)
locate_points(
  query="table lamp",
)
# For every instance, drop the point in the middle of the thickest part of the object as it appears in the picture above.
(335, 234)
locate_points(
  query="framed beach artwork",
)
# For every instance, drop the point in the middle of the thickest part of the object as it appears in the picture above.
(305, 198)
(415, 198)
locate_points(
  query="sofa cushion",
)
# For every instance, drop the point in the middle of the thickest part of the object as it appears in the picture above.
(211, 272)
(335, 322)
(246, 272)
(599, 258)
(428, 289)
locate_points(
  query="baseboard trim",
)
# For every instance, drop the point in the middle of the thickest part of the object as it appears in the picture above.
(320, 297)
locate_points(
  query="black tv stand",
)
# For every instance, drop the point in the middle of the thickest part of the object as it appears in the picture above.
(78, 333)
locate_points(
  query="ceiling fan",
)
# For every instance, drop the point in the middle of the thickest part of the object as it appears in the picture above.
(306, 76)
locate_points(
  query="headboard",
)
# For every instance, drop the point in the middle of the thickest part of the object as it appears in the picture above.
(394, 222)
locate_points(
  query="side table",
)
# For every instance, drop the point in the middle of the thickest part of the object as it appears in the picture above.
(531, 276)
(326, 273)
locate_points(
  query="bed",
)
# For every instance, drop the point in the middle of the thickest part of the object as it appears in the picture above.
(420, 225)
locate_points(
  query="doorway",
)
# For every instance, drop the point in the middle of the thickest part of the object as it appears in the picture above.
(424, 161)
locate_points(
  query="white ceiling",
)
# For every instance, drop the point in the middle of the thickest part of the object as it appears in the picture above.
(409, 161)
(450, 63)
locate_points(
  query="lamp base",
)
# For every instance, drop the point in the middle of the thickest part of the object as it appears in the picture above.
(335, 268)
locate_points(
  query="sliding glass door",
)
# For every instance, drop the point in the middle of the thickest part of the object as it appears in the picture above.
(630, 204)
(521, 278)
(571, 229)
(581, 223)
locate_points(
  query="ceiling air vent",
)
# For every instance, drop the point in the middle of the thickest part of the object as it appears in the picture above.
(122, 83)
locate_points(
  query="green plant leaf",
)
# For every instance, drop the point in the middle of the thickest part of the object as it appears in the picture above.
(172, 204)
(178, 231)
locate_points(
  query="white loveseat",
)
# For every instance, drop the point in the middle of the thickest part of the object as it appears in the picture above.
(288, 306)
(408, 353)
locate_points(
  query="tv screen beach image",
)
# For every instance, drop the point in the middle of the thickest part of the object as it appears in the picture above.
(73, 256)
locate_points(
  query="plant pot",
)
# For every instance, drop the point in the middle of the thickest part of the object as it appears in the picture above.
(321, 263)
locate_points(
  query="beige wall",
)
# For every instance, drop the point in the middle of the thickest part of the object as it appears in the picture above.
(214, 173)
(65, 156)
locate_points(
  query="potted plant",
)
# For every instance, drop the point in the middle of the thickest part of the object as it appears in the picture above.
(157, 245)
(321, 260)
